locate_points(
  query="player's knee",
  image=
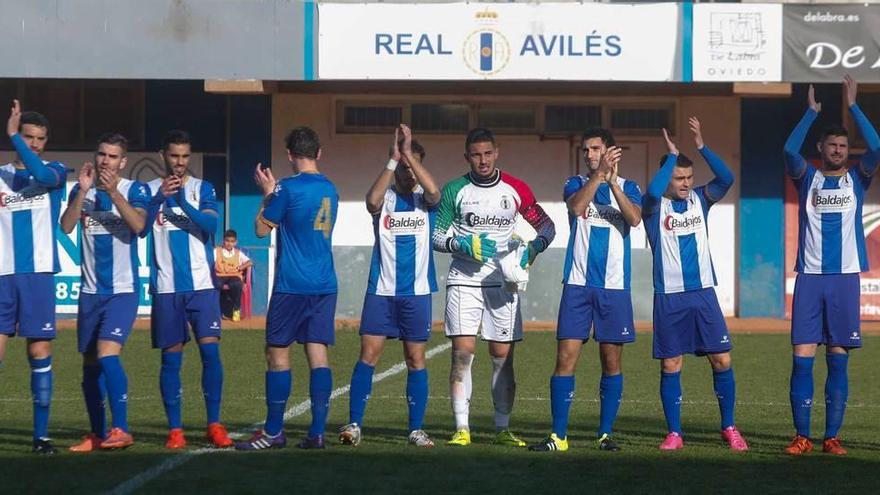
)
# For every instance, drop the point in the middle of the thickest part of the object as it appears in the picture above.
(720, 362)
(671, 365)
(461, 366)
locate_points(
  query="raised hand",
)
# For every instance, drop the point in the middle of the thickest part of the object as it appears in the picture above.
(670, 146)
(394, 152)
(264, 179)
(811, 100)
(170, 185)
(608, 163)
(694, 126)
(407, 139)
(86, 176)
(851, 89)
(14, 121)
(107, 180)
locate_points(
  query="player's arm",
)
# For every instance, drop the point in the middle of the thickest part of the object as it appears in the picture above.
(717, 187)
(44, 175)
(534, 214)
(660, 182)
(795, 165)
(426, 180)
(871, 158)
(376, 195)
(579, 202)
(72, 214)
(132, 209)
(629, 198)
(274, 202)
(205, 217)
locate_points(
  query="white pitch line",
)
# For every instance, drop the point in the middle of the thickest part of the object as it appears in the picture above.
(299, 409)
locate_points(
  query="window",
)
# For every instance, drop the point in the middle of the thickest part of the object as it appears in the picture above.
(639, 120)
(571, 118)
(507, 118)
(80, 111)
(449, 117)
(369, 118)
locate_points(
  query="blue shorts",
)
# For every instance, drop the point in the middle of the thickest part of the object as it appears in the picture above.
(608, 311)
(171, 313)
(689, 323)
(304, 319)
(407, 318)
(104, 317)
(825, 310)
(28, 300)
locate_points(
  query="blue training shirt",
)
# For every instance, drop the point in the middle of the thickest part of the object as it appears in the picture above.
(303, 209)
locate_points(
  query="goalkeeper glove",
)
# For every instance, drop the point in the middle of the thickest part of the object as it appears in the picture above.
(480, 248)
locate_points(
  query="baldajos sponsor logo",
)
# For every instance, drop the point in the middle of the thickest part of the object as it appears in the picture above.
(408, 223)
(834, 200)
(108, 221)
(675, 223)
(174, 218)
(20, 199)
(609, 215)
(474, 220)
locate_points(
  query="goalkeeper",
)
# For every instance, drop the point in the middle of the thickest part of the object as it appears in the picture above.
(481, 208)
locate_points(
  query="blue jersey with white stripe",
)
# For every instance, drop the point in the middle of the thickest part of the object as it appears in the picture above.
(599, 252)
(109, 247)
(831, 235)
(403, 261)
(679, 237)
(29, 212)
(303, 208)
(182, 253)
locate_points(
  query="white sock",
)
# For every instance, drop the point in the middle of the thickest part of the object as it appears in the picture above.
(460, 387)
(503, 390)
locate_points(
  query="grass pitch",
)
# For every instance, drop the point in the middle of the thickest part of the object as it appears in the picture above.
(384, 463)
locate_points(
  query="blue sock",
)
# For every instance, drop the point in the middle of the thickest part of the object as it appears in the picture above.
(725, 391)
(169, 386)
(361, 386)
(278, 384)
(320, 385)
(117, 390)
(41, 390)
(561, 395)
(212, 379)
(801, 393)
(417, 397)
(610, 391)
(836, 392)
(95, 392)
(670, 395)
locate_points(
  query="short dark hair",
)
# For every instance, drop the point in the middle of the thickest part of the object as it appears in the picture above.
(599, 132)
(175, 136)
(303, 142)
(479, 135)
(115, 139)
(681, 161)
(230, 233)
(417, 148)
(833, 130)
(34, 118)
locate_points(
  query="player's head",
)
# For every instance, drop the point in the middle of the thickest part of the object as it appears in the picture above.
(230, 239)
(111, 152)
(594, 142)
(480, 151)
(34, 129)
(682, 180)
(176, 152)
(833, 145)
(404, 177)
(303, 143)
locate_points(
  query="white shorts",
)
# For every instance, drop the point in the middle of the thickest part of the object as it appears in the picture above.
(491, 312)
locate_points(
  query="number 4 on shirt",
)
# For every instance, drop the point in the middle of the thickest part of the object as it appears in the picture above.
(324, 218)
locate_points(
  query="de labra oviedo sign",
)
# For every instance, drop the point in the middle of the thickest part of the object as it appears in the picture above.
(510, 41)
(826, 42)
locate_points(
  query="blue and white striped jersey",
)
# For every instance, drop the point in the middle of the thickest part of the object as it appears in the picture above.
(403, 261)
